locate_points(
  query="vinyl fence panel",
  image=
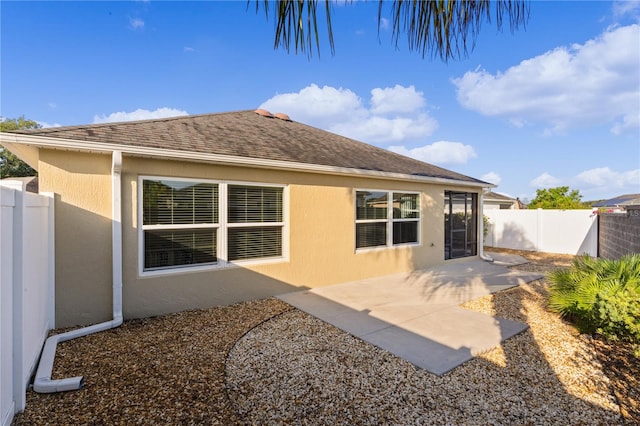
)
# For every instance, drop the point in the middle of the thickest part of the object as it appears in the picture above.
(552, 231)
(27, 289)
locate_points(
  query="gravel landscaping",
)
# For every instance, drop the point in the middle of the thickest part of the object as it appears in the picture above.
(264, 362)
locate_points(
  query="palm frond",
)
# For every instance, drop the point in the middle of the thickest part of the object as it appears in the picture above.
(449, 28)
(599, 295)
(444, 28)
(297, 24)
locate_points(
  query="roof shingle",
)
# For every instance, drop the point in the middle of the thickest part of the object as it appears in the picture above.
(247, 134)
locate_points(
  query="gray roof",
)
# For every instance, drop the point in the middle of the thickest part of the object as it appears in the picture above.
(621, 200)
(494, 196)
(251, 135)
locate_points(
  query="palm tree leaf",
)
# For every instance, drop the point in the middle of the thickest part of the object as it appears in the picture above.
(297, 24)
(445, 28)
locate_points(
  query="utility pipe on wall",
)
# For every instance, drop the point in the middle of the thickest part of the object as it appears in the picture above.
(481, 227)
(43, 382)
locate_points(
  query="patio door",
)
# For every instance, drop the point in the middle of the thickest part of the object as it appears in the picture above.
(460, 224)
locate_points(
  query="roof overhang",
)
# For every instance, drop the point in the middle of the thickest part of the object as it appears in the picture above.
(25, 143)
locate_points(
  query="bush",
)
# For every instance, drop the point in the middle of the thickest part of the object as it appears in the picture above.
(600, 296)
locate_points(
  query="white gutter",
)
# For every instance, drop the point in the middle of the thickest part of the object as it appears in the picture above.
(174, 154)
(43, 382)
(481, 227)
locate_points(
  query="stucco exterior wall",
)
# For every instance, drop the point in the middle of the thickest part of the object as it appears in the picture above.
(321, 220)
(81, 184)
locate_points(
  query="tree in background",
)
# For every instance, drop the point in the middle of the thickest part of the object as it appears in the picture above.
(447, 29)
(557, 198)
(10, 165)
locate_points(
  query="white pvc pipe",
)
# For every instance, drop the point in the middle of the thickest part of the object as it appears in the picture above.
(43, 382)
(481, 220)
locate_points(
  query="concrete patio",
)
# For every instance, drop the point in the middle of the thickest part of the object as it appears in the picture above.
(417, 315)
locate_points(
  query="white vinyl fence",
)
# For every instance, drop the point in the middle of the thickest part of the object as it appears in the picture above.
(26, 289)
(551, 231)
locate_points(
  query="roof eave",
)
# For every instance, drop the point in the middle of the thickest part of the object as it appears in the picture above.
(137, 151)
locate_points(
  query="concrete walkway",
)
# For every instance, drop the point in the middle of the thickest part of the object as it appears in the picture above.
(416, 315)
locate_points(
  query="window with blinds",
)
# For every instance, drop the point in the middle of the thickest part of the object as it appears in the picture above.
(180, 223)
(187, 223)
(406, 218)
(255, 221)
(386, 218)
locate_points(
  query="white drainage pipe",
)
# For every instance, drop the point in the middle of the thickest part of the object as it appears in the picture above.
(481, 228)
(43, 382)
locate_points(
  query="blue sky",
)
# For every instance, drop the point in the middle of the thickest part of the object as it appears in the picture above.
(556, 103)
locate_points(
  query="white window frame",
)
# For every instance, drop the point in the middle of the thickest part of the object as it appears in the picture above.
(390, 220)
(223, 225)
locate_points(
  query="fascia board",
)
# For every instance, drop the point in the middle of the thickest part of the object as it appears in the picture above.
(138, 151)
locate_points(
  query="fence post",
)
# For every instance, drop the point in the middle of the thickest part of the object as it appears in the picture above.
(19, 387)
(51, 248)
(7, 403)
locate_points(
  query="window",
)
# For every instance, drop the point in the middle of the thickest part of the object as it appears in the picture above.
(192, 223)
(386, 218)
(180, 222)
(255, 222)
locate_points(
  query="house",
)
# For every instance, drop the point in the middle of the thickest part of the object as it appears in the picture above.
(195, 211)
(494, 200)
(619, 203)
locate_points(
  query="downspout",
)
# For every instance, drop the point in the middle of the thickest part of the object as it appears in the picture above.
(481, 227)
(43, 382)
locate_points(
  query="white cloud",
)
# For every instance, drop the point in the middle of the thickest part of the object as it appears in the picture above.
(545, 180)
(604, 177)
(441, 152)
(52, 105)
(382, 129)
(189, 49)
(625, 7)
(395, 113)
(136, 24)
(139, 114)
(384, 23)
(397, 99)
(313, 104)
(45, 124)
(628, 123)
(596, 183)
(597, 82)
(491, 177)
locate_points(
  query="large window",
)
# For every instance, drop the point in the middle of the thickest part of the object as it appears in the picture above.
(386, 218)
(187, 223)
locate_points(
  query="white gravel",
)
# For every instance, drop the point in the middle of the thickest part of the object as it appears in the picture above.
(296, 369)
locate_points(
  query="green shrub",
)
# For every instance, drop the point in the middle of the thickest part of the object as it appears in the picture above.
(600, 296)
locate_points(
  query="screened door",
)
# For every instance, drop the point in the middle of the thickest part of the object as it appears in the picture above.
(460, 224)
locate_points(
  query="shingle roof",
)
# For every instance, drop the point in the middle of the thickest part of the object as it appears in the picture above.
(247, 134)
(621, 200)
(495, 196)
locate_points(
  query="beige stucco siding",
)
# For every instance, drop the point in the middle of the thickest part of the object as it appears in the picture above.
(321, 237)
(82, 187)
